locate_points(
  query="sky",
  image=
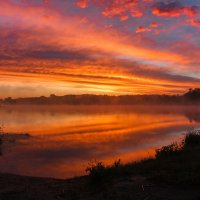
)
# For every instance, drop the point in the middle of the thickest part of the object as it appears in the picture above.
(113, 47)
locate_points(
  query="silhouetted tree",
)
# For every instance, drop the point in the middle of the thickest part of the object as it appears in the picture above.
(193, 94)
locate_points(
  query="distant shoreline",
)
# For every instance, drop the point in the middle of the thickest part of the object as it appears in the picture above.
(95, 105)
(191, 97)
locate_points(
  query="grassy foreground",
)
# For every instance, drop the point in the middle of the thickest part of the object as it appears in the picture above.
(174, 173)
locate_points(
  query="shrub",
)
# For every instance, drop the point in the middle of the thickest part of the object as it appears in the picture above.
(99, 173)
(192, 139)
(170, 150)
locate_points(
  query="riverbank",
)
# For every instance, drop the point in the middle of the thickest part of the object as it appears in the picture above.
(174, 173)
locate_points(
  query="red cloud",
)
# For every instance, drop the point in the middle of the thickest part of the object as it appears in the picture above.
(118, 8)
(124, 17)
(190, 11)
(153, 25)
(194, 22)
(82, 3)
(173, 9)
(142, 29)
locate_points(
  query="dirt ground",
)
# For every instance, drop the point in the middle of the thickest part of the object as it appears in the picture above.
(14, 187)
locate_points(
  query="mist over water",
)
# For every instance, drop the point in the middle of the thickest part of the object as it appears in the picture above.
(63, 139)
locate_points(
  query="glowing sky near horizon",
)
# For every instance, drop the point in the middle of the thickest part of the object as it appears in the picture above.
(99, 47)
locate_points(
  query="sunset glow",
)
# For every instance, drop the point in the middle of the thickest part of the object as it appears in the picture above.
(98, 47)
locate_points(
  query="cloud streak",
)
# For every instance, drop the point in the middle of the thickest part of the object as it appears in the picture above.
(44, 45)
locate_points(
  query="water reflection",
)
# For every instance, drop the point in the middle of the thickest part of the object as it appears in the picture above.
(8, 140)
(64, 139)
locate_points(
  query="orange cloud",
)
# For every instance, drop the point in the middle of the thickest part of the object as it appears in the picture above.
(95, 76)
(141, 29)
(154, 25)
(124, 17)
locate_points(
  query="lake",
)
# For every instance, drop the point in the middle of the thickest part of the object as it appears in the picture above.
(63, 139)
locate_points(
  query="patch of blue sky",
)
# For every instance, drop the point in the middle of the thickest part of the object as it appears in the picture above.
(143, 61)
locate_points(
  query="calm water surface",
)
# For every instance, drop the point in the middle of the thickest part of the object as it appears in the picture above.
(64, 139)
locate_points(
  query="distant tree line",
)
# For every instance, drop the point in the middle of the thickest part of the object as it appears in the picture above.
(192, 96)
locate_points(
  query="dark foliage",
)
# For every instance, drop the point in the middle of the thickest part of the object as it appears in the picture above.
(193, 94)
(192, 139)
(177, 163)
(99, 173)
(170, 150)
